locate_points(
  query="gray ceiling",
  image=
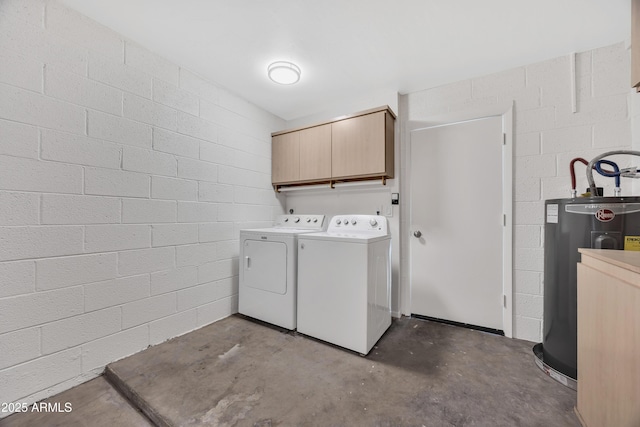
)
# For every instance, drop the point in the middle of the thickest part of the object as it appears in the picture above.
(350, 48)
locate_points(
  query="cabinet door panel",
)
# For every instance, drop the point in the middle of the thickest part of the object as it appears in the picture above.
(358, 146)
(315, 153)
(285, 158)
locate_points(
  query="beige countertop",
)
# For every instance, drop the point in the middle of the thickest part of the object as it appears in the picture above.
(629, 260)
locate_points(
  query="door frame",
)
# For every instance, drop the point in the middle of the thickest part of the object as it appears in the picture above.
(505, 111)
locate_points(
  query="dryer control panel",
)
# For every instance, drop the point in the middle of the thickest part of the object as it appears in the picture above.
(307, 222)
(358, 224)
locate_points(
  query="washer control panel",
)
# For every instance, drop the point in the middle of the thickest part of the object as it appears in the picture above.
(311, 222)
(358, 223)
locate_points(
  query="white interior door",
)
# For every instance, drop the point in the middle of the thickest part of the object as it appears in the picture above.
(457, 212)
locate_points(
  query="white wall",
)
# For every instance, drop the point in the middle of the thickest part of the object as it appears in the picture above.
(124, 180)
(547, 135)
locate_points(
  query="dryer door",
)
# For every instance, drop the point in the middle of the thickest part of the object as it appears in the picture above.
(264, 265)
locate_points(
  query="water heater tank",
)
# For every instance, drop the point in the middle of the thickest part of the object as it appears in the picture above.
(599, 223)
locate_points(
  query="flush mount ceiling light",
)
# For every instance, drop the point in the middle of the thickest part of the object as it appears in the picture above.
(284, 73)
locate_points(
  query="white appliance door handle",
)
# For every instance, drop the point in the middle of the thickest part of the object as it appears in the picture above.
(247, 261)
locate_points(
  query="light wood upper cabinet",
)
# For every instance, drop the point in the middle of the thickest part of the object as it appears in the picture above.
(315, 153)
(301, 156)
(285, 158)
(359, 147)
(355, 147)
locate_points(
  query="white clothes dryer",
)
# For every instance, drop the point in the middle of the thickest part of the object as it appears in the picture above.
(268, 269)
(344, 282)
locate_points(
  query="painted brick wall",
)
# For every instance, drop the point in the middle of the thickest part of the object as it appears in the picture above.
(124, 180)
(547, 135)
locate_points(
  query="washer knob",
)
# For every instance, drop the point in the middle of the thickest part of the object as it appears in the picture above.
(308, 219)
(286, 220)
(297, 220)
(338, 221)
(315, 219)
(373, 222)
(353, 221)
(346, 222)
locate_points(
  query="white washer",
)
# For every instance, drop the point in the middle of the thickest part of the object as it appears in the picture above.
(344, 282)
(268, 270)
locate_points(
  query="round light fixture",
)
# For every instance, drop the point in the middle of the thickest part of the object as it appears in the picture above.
(284, 73)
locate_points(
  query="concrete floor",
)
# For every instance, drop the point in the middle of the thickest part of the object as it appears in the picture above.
(93, 404)
(237, 372)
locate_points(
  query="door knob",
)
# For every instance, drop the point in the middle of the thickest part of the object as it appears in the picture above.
(417, 234)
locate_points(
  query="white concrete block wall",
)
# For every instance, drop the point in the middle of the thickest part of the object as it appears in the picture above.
(124, 180)
(547, 135)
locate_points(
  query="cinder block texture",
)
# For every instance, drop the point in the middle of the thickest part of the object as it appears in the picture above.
(106, 182)
(38, 308)
(77, 330)
(115, 292)
(20, 346)
(104, 238)
(80, 90)
(28, 107)
(62, 272)
(109, 196)
(61, 209)
(80, 150)
(17, 278)
(547, 134)
(146, 111)
(33, 175)
(20, 70)
(19, 208)
(18, 139)
(172, 326)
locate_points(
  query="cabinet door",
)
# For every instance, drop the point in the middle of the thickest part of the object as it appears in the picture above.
(285, 158)
(315, 153)
(608, 347)
(358, 146)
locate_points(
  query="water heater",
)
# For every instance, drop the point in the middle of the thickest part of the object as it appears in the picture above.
(581, 222)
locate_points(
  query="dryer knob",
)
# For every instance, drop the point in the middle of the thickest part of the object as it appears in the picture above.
(338, 221)
(373, 222)
(297, 220)
(308, 219)
(353, 221)
(315, 219)
(346, 222)
(286, 220)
